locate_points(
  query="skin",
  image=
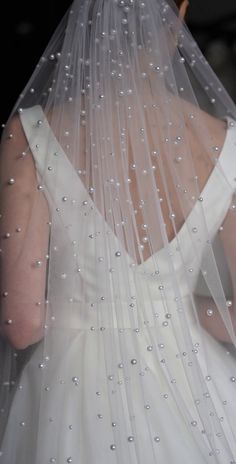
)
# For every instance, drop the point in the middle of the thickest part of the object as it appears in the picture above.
(25, 330)
(214, 324)
(183, 9)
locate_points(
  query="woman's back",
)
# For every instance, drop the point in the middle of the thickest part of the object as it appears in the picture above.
(117, 258)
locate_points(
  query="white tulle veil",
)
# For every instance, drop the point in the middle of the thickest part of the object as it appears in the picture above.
(118, 222)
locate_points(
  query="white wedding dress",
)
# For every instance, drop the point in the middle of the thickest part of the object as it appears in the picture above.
(62, 410)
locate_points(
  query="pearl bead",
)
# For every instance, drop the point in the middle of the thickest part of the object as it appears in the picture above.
(131, 438)
(41, 366)
(210, 312)
(117, 254)
(233, 379)
(11, 181)
(194, 423)
(133, 361)
(229, 303)
(75, 380)
(157, 439)
(149, 348)
(113, 447)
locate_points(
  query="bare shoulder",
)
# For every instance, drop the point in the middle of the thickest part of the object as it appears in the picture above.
(212, 128)
(205, 132)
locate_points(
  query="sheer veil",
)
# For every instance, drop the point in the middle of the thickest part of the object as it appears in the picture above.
(117, 254)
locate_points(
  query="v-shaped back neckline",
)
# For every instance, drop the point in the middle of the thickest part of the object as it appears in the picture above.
(40, 115)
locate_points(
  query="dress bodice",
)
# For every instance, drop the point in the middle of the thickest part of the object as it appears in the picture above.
(75, 264)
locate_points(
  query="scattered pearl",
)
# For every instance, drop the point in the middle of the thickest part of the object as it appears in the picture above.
(75, 380)
(149, 348)
(41, 365)
(157, 439)
(133, 361)
(210, 312)
(38, 263)
(194, 423)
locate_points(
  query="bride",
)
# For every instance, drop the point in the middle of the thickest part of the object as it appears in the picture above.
(117, 254)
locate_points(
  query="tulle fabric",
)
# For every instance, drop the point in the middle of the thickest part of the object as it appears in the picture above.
(118, 173)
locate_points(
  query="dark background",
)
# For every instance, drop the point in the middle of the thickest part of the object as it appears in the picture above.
(26, 27)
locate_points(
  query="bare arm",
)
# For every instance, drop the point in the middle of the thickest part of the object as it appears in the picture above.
(214, 324)
(24, 236)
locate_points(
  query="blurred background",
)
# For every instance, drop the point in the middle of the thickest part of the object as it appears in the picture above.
(28, 25)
